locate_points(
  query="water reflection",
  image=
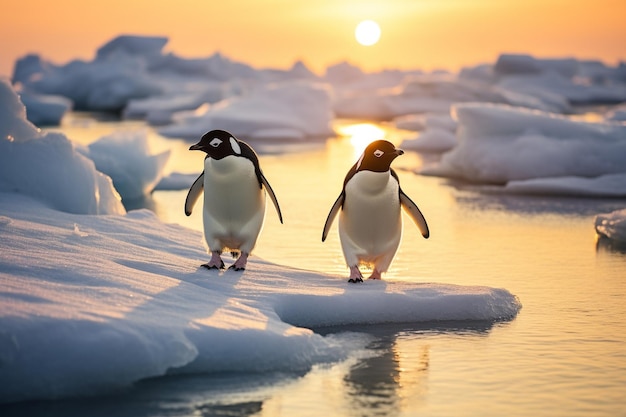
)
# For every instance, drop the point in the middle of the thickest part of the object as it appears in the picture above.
(485, 198)
(604, 244)
(393, 379)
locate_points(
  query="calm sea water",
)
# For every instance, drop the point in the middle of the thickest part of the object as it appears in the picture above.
(563, 355)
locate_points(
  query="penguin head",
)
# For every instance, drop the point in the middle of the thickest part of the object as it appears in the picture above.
(378, 156)
(218, 144)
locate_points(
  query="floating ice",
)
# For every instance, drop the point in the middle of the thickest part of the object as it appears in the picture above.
(612, 185)
(438, 132)
(125, 157)
(132, 75)
(300, 108)
(434, 140)
(176, 181)
(612, 225)
(47, 167)
(45, 110)
(101, 302)
(498, 144)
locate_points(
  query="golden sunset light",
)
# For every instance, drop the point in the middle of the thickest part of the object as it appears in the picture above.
(285, 208)
(276, 33)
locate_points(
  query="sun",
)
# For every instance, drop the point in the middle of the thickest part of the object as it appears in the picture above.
(367, 32)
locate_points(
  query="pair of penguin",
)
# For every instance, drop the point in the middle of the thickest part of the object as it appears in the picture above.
(370, 223)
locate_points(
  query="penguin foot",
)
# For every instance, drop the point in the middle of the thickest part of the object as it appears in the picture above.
(240, 263)
(355, 275)
(215, 262)
(208, 265)
(237, 268)
(375, 274)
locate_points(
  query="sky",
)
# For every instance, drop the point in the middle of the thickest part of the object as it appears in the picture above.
(416, 34)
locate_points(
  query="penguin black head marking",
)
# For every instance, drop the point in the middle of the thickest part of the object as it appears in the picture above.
(378, 156)
(218, 144)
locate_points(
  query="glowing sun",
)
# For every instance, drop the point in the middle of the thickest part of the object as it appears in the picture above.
(367, 32)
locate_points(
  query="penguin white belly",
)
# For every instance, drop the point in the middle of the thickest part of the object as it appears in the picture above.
(370, 224)
(234, 204)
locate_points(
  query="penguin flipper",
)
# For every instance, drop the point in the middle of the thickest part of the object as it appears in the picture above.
(270, 192)
(414, 213)
(194, 193)
(332, 214)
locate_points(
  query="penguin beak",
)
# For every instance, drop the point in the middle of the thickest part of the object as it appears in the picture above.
(399, 152)
(195, 147)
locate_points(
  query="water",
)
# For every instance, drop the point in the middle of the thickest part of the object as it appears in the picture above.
(563, 355)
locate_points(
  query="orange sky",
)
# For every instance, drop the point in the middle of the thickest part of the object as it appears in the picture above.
(424, 34)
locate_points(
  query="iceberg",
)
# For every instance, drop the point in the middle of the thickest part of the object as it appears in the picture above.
(612, 226)
(45, 110)
(125, 157)
(295, 110)
(499, 144)
(47, 166)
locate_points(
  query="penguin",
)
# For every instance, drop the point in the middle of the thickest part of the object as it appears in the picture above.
(234, 201)
(370, 222)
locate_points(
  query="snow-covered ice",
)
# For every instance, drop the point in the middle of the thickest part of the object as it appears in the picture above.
(125, 156)
(612, 225)
(438, 132)
(94, 303)
(500, 144)
(45, 110)
(287, 111)
(176, 181)
(47, 165)
(132, 75)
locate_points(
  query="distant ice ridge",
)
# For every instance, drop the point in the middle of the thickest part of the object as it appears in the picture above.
(131, 75)
(290, 111)
(530, 149)
(101, 302)
(47, 166)
(612, 225)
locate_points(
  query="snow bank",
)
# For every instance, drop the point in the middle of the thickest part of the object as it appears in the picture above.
(289, 110)
(47, 167)
(103, 301)
(125, 157)
(498, 144)
(612, 225)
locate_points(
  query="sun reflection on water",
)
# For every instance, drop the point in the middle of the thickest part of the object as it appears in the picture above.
(361, 135)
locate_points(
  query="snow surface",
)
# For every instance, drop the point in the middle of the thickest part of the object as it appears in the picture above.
(612, 225)
(501, 144)
(100, 302)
